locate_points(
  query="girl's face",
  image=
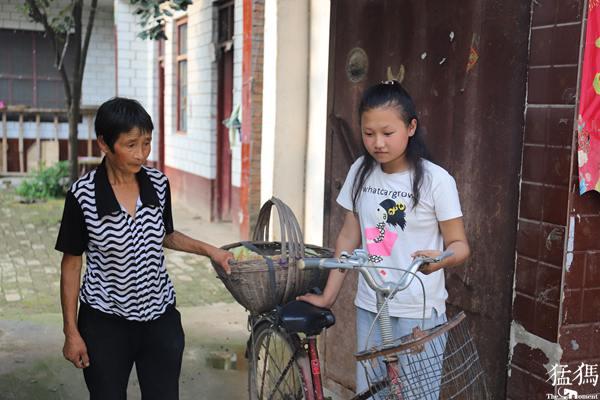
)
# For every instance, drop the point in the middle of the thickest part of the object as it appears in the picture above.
(385, 136)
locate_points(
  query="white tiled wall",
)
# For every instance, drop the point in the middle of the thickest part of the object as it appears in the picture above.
(195, 150)
(137, 65)
(192, 151)
(99, 76)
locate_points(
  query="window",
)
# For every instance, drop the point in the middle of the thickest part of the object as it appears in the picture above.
(225, 25)
(27, 73)
(182, 90)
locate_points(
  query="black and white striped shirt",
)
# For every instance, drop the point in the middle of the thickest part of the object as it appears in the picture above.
(125, 269)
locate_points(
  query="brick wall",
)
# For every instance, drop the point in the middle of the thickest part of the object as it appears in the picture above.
(579, 320)
(258, 23)
(538, 338)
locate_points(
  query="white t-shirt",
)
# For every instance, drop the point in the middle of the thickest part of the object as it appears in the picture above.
(392, 229)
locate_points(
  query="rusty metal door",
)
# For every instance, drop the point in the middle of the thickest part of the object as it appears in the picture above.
(464, 62)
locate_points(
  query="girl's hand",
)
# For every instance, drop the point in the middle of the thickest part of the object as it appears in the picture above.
(428, 268)
(318, 300)
(222, 257)
(75, 351)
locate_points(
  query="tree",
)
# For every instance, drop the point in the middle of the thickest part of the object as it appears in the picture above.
(64, 27)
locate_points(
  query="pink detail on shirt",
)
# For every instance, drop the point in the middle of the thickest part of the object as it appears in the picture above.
(383, 248)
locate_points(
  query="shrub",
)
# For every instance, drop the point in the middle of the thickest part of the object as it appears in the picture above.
(45, 183)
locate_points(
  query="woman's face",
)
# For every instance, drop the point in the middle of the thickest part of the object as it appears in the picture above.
(385, 136)
(130, 151)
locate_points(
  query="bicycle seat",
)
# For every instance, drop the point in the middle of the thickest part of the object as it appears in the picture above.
(299, 316)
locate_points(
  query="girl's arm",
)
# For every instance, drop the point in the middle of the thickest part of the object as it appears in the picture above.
(348, 239)
(74, 348)
(455, 240)
(178, 241)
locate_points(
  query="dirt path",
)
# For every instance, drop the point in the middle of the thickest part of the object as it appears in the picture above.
(31, 363)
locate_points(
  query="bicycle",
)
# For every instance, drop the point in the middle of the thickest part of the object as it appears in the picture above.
(438, 362)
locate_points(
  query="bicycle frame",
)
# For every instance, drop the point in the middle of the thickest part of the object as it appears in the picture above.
(306, 355)
(315, 368)
(308, 360)
(384, 290)
(310, 370)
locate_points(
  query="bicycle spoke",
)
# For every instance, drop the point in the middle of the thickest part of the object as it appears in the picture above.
(285, 350)
(275, 372)
(263, 382)
(280, 372)
(284, 373)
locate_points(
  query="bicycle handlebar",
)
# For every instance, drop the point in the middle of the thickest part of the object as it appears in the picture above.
(359, 259)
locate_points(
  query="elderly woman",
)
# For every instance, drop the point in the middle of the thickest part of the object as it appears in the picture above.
(120, 215)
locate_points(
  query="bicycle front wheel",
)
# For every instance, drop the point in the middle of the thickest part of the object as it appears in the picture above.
(278, 365)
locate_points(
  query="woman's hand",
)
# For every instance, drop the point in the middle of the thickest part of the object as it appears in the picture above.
(75, 350)
(221, 257)
(181, 242)
(318, 300)
(431, 267)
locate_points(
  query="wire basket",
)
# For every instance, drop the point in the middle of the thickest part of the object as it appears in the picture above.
(438, 363)
(271, 277)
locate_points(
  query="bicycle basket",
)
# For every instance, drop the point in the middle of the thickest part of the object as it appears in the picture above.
(265, 273)
(438, 363)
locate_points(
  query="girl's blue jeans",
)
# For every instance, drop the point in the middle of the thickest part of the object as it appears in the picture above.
(431, 359)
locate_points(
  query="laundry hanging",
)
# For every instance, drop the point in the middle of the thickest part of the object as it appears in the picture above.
(588, 122)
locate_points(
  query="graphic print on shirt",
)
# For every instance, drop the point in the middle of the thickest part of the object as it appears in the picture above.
(380, 239)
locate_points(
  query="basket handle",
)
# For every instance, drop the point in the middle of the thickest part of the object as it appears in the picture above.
(292, 240)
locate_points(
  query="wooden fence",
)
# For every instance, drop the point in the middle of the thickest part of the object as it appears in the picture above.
(22, 114)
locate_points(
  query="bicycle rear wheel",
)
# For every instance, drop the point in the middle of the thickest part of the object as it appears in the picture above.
(278, 365)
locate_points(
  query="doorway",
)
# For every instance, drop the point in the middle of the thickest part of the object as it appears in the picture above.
(225, 25)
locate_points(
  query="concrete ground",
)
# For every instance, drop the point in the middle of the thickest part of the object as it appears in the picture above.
(31, 362)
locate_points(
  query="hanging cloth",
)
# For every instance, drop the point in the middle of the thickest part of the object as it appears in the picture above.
(234, 124)
(588, 121)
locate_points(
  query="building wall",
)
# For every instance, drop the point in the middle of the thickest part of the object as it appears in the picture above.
(317, 121)
(285, 102)
(550, 284)
(296, 53)
(191, 157)
(137, 70)
(579, 319)
(99, 75)
(238, 42)
(193, 151)
(256, 97)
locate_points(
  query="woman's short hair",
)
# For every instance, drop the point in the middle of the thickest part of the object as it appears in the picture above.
(119, 115)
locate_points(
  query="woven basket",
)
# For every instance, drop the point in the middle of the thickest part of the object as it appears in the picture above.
(273, 279)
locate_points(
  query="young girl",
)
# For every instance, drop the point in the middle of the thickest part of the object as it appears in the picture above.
(399, 206)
